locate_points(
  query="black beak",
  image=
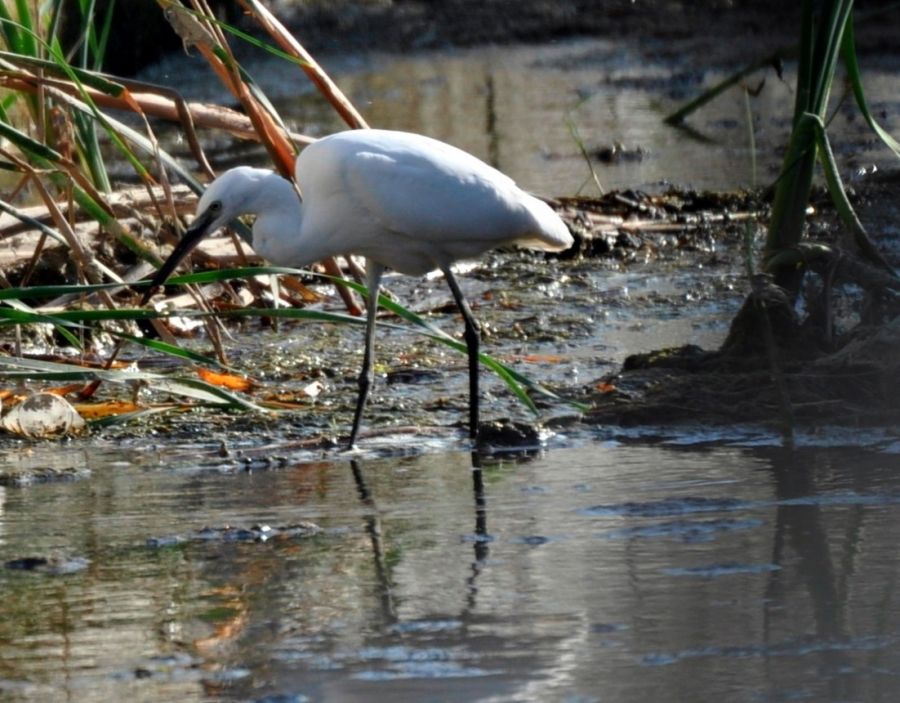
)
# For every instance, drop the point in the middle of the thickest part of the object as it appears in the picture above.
(192, 236)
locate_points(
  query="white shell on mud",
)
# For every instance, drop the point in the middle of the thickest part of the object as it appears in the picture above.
(43, 415)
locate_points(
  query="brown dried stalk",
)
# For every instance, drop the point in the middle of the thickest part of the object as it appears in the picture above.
(316, 74)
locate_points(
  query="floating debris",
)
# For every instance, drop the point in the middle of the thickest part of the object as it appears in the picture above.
(230, 533)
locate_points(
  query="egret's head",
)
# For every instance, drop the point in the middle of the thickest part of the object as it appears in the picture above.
(236, 192)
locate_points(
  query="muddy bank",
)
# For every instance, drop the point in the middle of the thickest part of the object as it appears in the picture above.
(828, 358)
(641, 263)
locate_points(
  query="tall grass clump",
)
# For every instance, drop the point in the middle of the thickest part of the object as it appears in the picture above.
(826, 38)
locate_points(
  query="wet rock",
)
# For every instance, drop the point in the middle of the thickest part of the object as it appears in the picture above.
(412, 375)
(618, 153)
(688, 356)
(765, 321)
(510, 434)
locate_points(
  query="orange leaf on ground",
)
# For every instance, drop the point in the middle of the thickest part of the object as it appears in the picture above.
(226, 380)
(95, 411)
(605, 387)
(66, 390)
(295, 286)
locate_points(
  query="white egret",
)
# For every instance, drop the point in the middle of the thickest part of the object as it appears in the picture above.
(403, 201)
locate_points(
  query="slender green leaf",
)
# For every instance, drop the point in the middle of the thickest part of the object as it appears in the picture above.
(27, 45)
(103, 39)
(31, 222)
(707, 96)
(514, 380)
(19, 313)
(28, 144)
(191, 278)
(172, 350)
(10, 30)
(839, 196)
(61, 316)
(39, 369)
(253, 41)
(87, 77)
(853, 72)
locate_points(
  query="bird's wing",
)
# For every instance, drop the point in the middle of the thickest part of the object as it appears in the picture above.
(449, 197)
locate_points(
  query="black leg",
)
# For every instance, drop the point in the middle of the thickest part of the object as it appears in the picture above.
(473, 342)
(374, 271)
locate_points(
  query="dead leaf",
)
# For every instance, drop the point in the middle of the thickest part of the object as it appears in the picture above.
(295, 286)
(66, 390)
(226, 380)
(96, 411)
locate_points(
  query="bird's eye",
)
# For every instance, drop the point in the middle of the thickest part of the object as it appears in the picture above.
(215, 206)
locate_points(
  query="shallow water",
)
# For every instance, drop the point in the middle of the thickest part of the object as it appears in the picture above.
(593, 571)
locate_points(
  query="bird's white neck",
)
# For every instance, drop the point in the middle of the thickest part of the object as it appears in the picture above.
(279, 216)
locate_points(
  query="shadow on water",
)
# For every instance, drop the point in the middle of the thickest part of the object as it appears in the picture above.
(480, 538)
(608, 571)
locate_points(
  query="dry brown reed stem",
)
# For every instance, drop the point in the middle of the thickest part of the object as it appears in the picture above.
(83, 258)
(198, 30)
(155, 105)
(329, 90)
(89, 268)
(273, 139)
(316, 74)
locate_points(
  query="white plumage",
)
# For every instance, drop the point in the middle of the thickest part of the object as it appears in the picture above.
(404, 201)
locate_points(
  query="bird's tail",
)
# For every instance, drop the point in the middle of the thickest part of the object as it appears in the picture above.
(551, 233)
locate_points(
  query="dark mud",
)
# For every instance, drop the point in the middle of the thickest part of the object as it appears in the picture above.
(828, 358)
